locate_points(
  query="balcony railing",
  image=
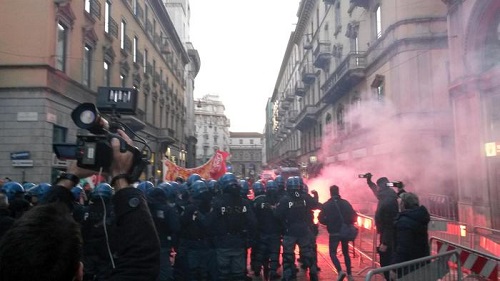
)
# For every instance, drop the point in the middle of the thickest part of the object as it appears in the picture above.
(285, 105)
(349, 73)
(361, 3)
(307, 117)
(308, 74)
(322, 54)
(138, 58)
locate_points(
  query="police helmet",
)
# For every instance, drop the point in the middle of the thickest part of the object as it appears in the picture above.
(144, 186)
(258, 188)
(280, 182)
(192, 178)
(244, 188)
(228, 182)
(28, 185)
(157, 194)
(198, 187)
(271, 186)
(301, 182)
(12, 188)
(102, 190)
(39, 190)
(169, 190)
(76, 191)
(213, 186)
(292, 184)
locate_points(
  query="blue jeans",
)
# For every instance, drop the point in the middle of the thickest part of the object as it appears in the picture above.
(333, 245)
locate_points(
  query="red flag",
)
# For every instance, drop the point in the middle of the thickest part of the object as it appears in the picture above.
(213, 169)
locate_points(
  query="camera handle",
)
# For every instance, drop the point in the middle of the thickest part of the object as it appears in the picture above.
(138, 164)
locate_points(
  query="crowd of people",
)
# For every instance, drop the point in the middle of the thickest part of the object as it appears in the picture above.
(189, 229)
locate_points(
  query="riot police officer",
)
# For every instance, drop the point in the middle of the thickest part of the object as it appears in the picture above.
(294, 210)
(231, 219)
(269, 229)
(167, 224)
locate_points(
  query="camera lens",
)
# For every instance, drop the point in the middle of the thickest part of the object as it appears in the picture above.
(87, 117)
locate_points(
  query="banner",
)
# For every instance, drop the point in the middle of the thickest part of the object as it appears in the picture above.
(213, 169)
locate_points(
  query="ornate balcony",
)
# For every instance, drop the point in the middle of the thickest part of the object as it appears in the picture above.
(285, 105)
(289, 97)
(307, 117)
(308, 74)
(348, 74)
(300, 91)
(361, 3)
(289, 124)
(322, 54)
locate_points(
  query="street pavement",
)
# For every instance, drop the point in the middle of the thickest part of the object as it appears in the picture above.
(360, 265)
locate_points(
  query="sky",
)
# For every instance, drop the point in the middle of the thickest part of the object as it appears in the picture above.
(241, 46)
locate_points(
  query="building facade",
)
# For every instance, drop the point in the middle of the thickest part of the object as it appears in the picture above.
(55, 55)
(363, 87)
(246, 154)
(474, 89)
(212, 128)
(180, 13)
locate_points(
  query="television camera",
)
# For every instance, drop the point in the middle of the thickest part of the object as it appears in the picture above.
(93, 151)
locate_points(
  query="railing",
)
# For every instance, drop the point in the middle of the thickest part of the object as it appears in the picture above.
(351, 62)
(322, 54)
(427, 268)
(95, 9)
(127, 44)
(475, 264)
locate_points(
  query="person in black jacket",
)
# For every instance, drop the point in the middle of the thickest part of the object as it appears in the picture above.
(230, 220)
(294, 211)
(387, 210)
(6, 220)
(54, 248)
(335, 211)
(411, 236)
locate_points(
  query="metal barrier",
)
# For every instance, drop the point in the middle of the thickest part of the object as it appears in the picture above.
(478, 265)
(439, 205)
(429, 268)
(450, 230)
(485, 240)
(366, 243)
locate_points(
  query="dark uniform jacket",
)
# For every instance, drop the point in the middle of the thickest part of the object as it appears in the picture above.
(411, 237)
(134, 243)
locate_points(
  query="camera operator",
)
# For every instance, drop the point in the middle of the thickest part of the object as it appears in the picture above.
(55, 238)
(387, 210)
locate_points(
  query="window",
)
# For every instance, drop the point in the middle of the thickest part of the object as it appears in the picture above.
(378, 86)
(123, 80)
(122, 34)
(107, 9)
(338, 22)
(340, 118)
(87, 6)
(107, 73)
(59, 134)
(87, 65)
(241, 141)
(61, 47)
(251, 141)
(134, 48)
(378, 22)
(145, 60)
(134, 7)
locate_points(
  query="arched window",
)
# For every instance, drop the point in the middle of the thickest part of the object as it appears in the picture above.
(492, 45)
(340, 118)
